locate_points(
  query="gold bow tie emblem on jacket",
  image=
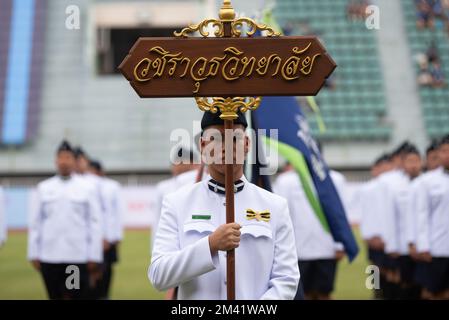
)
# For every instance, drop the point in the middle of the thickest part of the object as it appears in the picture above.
(259, 216)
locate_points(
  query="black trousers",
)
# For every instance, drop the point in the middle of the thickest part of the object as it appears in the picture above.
(300, 291)
(101, 288)
(62, 282)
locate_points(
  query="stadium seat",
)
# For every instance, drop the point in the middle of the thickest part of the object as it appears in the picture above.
(353, 109)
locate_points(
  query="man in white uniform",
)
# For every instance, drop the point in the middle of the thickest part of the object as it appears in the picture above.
(192, 238)
(97, 188)
(113, 217)
(317, 251)
(432, 163)
(399, 221)
(371, 224)
(65, 235)
(386, 187)
(432, 228)
(433, 156)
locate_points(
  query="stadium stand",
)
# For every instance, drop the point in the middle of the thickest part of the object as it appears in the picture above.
(353, 107)
(434, 100)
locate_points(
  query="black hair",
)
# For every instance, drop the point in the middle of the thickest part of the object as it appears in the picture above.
(96, 165)
(65, 146)
(445, 140)
(410, 149)
(79, 152)
(433, 146)
(383, 158)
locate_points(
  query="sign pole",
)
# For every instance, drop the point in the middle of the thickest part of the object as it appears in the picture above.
(229, 190)
(227, 15)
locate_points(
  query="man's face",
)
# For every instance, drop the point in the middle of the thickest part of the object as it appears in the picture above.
(443, 152)
(433, 160)
(213, 147)
(65, 163)
(412, 164)
(82, 164)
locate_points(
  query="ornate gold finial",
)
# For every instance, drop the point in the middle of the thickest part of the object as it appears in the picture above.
(227, 12)
(228, 106)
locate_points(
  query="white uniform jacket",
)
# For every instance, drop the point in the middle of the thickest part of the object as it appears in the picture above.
(114, 209)
(168, 186)
(432, 210)
(312, 241)
(266, 261)
(66, 226)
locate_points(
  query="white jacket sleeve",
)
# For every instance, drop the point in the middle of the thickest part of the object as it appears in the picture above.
(373, 219)
(285, 273)
(34, 228)
(422, 220)
(94, 230)
(158, 196)
(391, 220)
(411, 214)
(171, 265)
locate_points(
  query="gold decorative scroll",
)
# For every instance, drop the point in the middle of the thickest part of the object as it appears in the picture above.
(237, 24)
(230, 66)
(228, 106)
(201, 28)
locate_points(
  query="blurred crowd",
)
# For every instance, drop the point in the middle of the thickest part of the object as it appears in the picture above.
(430, 68)
(405, 221)
(431, 13)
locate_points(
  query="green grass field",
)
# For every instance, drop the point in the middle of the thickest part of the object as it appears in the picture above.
(18, 280)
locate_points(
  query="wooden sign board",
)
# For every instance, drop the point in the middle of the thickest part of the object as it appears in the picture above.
(227, 67)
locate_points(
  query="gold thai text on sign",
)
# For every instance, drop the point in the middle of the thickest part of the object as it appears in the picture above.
(232, 65)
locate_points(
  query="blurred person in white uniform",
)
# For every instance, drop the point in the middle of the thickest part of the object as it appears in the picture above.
(317, 251)
(65, 234)
(400, 220)
(389, 186)
(432, 227)
(371, 224)
(97, 189)
(432, 163)
(113, 220)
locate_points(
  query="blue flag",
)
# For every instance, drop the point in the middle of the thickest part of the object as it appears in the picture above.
(257, 178)
(295, 143)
